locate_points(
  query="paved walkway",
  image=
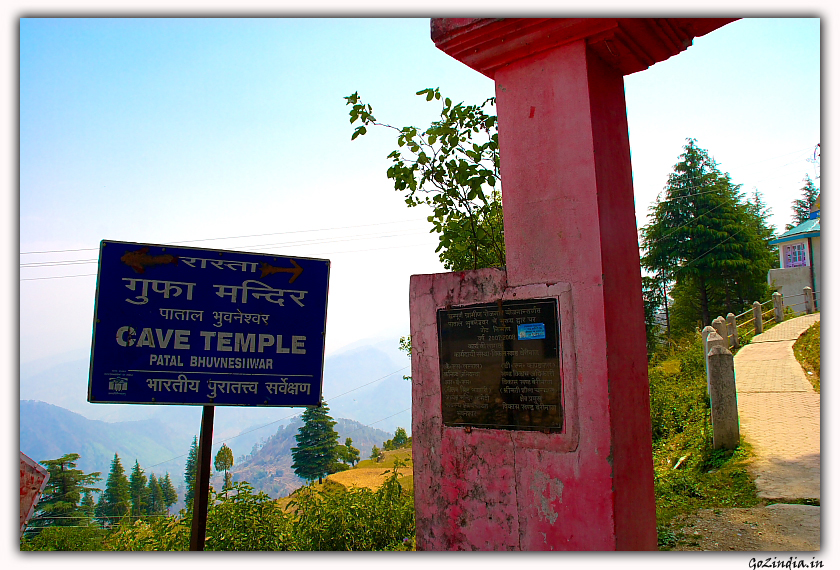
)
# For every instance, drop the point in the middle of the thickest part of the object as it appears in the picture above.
(779, 413)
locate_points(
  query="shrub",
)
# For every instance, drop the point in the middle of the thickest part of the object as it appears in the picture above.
(156, 534)
(85, 538)
(354, 519)
(331, 519)
(677, 398)
(241, 520)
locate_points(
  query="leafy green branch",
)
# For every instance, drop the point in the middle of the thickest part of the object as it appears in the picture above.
(453, 167)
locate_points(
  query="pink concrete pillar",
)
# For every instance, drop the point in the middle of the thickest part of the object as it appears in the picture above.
(571, 236)
(569, 216)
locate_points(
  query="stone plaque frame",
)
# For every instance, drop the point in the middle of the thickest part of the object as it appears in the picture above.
(451, 290)
(500, 365)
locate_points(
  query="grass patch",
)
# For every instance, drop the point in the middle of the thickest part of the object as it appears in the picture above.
(388, 458)
(807, 352)
(688, 474)
(670, 366)
(367, 474)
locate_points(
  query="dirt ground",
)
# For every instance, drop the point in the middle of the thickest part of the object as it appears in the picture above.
(778, 527)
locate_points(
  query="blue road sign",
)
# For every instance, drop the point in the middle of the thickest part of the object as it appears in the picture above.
(175, 325)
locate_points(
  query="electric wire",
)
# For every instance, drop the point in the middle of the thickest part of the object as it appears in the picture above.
(316, 253)
(57, 277)
(692, 220)
(318, 241)
(235, 237)
(309, 242)
(699, 257)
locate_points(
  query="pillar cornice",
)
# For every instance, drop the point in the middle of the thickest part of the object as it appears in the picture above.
(628, 44)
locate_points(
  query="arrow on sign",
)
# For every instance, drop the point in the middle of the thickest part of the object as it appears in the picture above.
(295, 271)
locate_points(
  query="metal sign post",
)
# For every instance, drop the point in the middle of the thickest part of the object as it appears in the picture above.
(201, 491)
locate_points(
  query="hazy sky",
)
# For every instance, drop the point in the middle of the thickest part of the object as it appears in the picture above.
(187, 131)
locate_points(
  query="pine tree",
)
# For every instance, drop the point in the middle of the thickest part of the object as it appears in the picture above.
(190, 472)
(654, 300)
(156, 493)
(802, 206)
(170, 495)
(223, 462)
(139, 492)
(154, 490)
(88, 506)
(317, 441)
(60, 502)
(115, 500)
(706, 240)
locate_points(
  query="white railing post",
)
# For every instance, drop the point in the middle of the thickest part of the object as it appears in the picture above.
(779, 307)
(722, 395)
(758, 319)
(712, 340)
(809, 300)
(732, 329)
(719, 324)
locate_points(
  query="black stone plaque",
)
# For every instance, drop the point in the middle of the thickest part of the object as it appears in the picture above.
(500, 365)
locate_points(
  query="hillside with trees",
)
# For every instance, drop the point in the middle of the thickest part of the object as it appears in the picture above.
(268, 468)
(50, 431)
(238, 519)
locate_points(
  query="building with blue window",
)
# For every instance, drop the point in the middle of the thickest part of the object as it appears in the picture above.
(799, 261)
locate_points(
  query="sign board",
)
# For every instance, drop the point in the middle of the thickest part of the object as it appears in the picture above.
(500, 365)
(175, 325)
(33, 479)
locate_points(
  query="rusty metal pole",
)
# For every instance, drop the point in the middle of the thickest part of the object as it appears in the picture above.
(201, 492)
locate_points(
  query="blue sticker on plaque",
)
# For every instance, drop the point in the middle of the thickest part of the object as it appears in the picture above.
(531, 331)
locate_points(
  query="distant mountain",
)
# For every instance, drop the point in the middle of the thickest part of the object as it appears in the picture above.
(354, 388)
(370, 388)
(363, 382)
(269, 467)
(48, 432)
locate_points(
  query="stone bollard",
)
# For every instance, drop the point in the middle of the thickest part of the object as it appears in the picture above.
(719, 325)
(712, 340)
(732, 329)
(809, 300)
(779, 307)
(724, 399)
(758, 320)
(705, 334)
